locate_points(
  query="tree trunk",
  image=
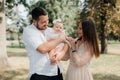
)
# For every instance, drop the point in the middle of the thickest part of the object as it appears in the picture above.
(3, 53)
(103, 36)
(103, 41)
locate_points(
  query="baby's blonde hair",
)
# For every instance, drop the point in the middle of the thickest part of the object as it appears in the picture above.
(57, 20)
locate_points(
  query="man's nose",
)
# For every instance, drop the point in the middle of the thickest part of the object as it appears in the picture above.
(47, 23)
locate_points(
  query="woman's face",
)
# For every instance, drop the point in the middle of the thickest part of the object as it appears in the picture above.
(79, 30)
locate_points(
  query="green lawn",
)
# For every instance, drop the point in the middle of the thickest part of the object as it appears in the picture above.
(107, 67)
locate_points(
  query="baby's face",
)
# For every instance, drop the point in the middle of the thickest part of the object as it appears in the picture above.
(58, 27)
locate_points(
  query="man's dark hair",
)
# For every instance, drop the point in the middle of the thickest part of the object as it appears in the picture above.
(38, 11)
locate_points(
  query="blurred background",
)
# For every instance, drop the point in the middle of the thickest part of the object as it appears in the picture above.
(15, 16)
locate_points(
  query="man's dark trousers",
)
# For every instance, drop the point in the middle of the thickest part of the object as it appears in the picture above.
(43, 77)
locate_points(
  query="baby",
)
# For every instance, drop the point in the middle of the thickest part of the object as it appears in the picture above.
(56, 31)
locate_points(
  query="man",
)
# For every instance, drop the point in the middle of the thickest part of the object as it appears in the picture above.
(38, 47)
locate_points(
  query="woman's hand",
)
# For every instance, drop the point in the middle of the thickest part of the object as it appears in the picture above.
(72, 42)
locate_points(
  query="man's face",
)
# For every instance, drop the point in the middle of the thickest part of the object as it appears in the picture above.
(42, 22)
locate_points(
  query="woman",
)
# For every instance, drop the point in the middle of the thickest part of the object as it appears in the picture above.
(82, 52)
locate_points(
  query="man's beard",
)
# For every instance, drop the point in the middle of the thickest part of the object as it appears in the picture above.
(39, 27)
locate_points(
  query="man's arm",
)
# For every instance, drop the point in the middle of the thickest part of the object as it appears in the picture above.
(49, 45)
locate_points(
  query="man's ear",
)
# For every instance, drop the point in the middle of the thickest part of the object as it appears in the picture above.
(34, 22)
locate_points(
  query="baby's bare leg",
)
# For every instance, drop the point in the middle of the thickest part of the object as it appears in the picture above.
(52, 56)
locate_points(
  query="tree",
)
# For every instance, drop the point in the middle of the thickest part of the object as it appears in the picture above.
(114, 24)
(3, 53)
(14, 15)
(101, 11)
(106, 11)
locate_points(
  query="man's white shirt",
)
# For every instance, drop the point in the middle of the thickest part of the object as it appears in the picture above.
(39, 63)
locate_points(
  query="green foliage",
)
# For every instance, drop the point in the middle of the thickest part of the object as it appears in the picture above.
(12, 3)
(104, 12)
(15, 28)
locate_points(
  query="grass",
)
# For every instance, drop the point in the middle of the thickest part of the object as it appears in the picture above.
(107, 67)
(16, 51)
(14, 74)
